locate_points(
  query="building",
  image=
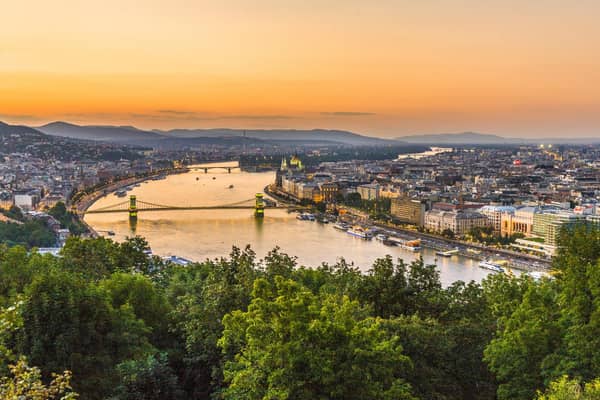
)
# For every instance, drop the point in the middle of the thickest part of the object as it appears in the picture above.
(458, 222)
(521, 221)
(547, 224)
(494, 215)
(329, 191)
(408, 210)
(369, 191)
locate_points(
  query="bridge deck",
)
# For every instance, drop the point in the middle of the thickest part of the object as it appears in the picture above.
(178, 208)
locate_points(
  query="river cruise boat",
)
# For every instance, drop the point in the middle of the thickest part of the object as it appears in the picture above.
(360, 232)
(381, 237)
(305, 217)
(411, 245)
(340, 226)
(492, 266)
(121, 193)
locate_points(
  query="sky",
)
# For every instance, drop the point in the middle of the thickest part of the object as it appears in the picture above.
(383, 68)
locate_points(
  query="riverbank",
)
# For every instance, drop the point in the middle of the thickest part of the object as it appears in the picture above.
(470, 250)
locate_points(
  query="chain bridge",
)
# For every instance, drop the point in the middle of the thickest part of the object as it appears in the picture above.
(133, 206)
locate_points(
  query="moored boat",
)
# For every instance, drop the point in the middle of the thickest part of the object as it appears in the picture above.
(360, 232)
(492, 266)
(340, 226)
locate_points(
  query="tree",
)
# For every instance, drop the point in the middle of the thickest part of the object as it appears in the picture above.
(448, 233)
(292, 344)
(522, 354)
(149, 378)
(400, 289)
(69, 324)
(147, 302)
(201, 295)
(570, 389)
(25, 382)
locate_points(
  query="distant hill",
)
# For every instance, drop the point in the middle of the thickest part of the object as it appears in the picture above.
(180, 137)
(458, 138)
(283, 135)
(112, 134)
(6, 129)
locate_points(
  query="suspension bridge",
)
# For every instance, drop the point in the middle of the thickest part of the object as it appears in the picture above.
(133, 206)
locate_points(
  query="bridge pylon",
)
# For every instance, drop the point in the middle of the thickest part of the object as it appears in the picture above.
(133, 210)
(259, 206)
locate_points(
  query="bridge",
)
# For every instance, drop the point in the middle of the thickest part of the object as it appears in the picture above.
(206, 169)
(133, 206)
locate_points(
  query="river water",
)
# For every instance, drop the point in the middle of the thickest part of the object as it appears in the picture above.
(202, 234)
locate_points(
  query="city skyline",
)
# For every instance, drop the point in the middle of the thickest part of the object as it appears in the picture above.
(388, 69)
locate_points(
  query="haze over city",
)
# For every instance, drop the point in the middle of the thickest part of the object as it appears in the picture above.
(387, 68)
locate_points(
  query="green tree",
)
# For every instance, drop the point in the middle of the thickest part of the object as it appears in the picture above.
(521, 356)
(570, 389)
(149, 378)
(69, 324)
(201, 295)
(292, 344)
(25, 383)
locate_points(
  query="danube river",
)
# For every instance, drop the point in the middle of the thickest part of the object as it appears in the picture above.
(202, 234)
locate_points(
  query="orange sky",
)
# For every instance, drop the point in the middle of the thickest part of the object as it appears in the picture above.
(386, 68)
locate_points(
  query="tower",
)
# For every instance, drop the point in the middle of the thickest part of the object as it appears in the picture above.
(284, 165)
(132, 208)
(259, 206)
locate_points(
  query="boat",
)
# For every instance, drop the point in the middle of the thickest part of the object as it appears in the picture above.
(360, 232)
(177, 260)
(230, 187)
(147, 252)
(323, 220)
(412, 245)
(388, 242)
(340, 226)
(121, 193)
(305, 216)
(110, 233)
(381, 237)
(492, 266)
(448, 253)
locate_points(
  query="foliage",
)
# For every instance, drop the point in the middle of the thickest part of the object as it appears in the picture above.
(67, 219)
(129, 326)
(149, 378)
(570, 389)
(294, 344)
(31, 233)
(25, 382)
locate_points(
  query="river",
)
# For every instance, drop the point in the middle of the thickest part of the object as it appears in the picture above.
(202, 234)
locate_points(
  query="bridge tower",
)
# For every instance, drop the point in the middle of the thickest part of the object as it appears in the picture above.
(259, 207)
(132, 208)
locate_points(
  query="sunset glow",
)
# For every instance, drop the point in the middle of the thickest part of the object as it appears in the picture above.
(383, 68)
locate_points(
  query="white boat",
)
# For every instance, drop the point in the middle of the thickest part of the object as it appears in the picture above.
(412, 245)
(305, 216)
(360, 232)
(121, 193)
(340, 226)
(492, 266)
(381, 237)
